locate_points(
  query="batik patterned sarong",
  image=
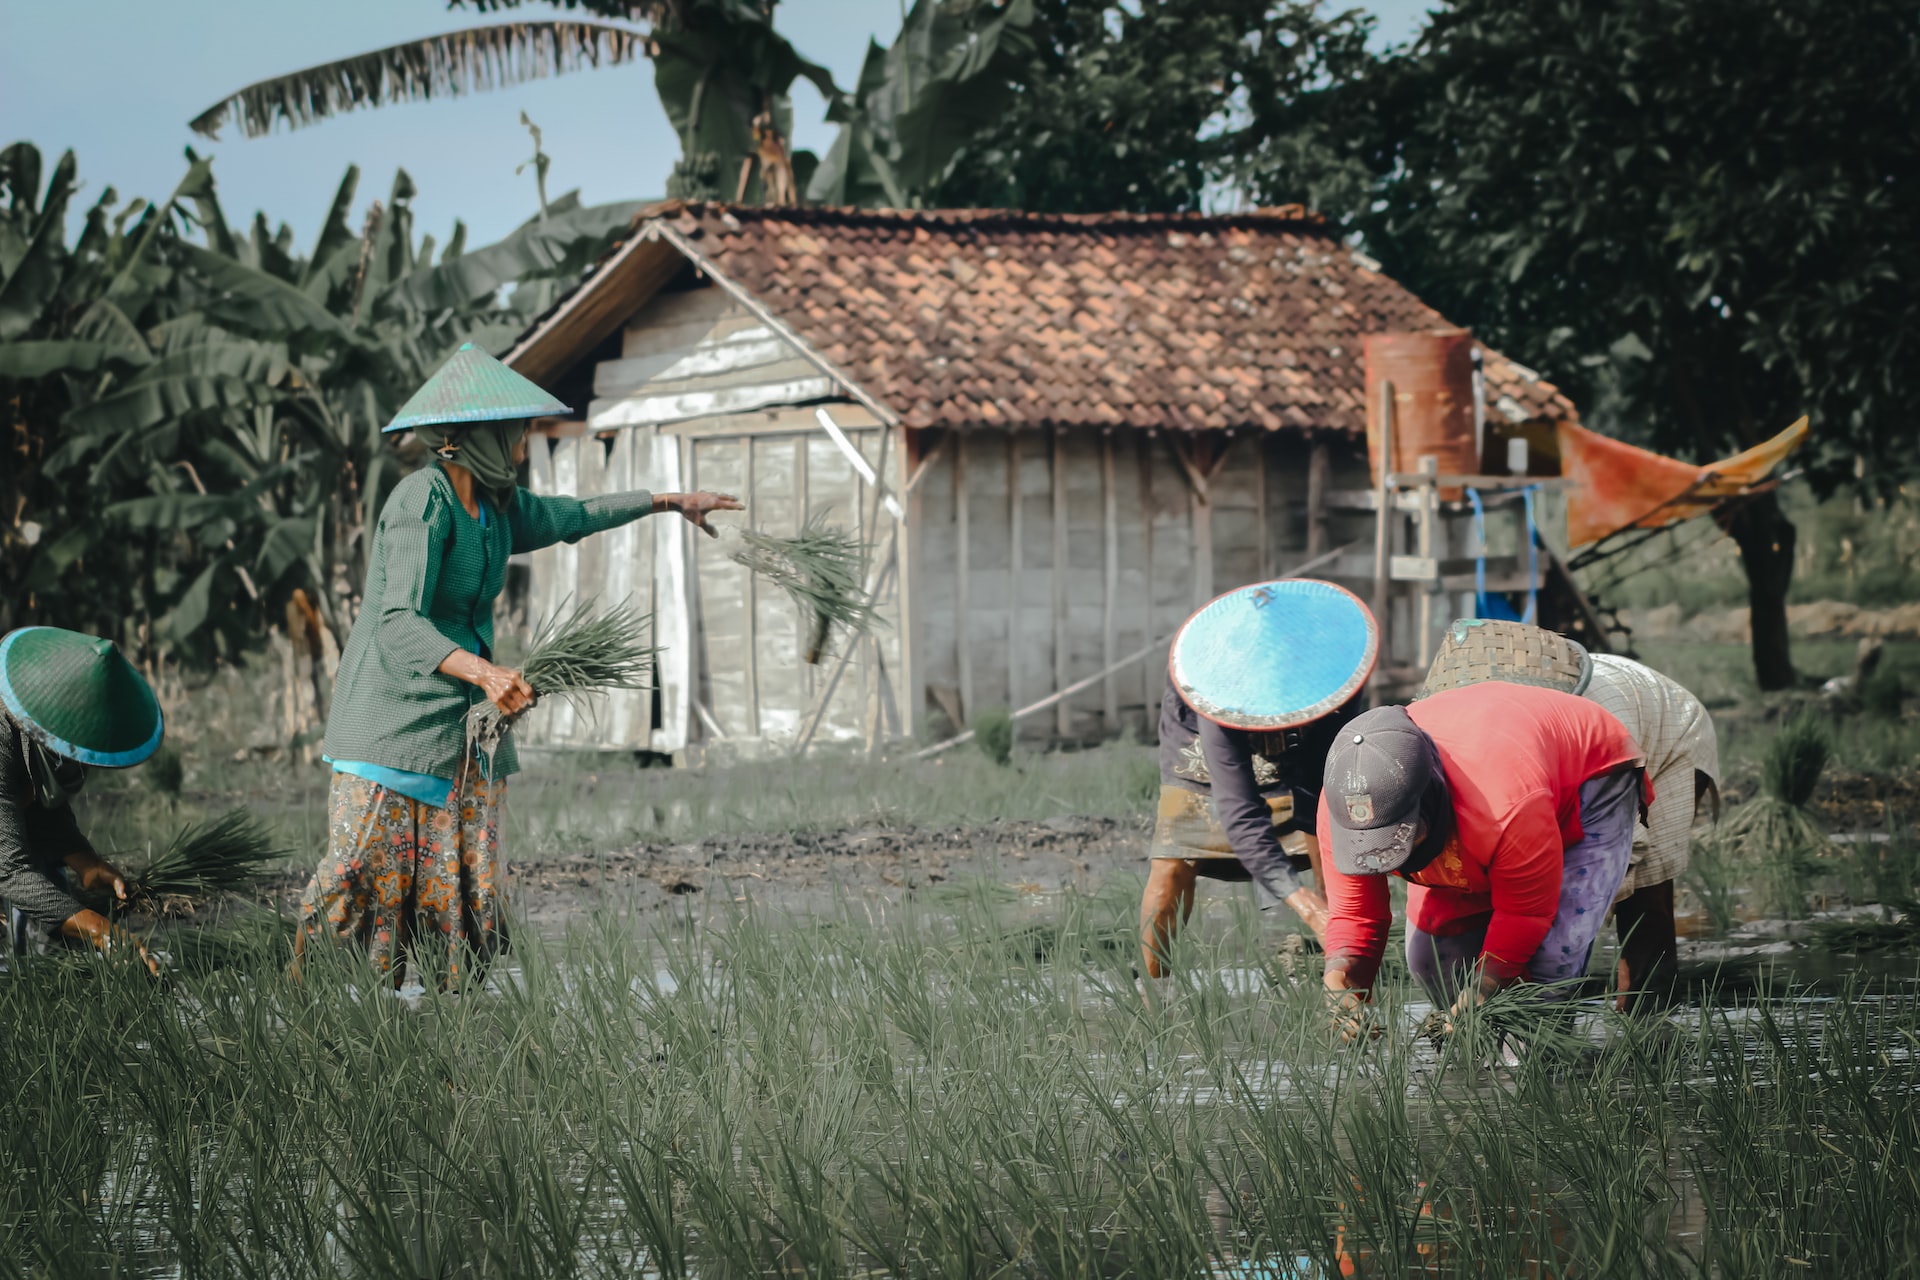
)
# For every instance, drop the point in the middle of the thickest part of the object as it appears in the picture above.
(411, 882)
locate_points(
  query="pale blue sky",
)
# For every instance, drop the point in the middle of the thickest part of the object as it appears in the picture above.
(117, 80)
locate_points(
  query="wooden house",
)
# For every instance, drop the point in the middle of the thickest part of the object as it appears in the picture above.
(1079, 428)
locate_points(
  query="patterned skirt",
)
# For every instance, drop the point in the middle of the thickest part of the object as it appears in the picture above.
(411, 882)
(1188, 828)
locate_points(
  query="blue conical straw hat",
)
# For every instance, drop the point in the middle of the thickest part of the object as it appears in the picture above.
(472, 386)
(79, 697)
(1274, 655)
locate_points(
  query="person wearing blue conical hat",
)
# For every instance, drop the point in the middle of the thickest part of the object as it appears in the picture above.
(413, 817)
(68, 702)
(1259, 680)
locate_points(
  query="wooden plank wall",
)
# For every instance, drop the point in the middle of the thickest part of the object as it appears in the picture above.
(753, 678)
(697, 353)
(608, 568)
(1043, 557)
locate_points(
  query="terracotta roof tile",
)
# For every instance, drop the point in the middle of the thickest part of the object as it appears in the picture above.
(958, 317)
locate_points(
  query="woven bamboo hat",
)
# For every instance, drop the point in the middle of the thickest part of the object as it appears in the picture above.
(1274, 655)
(78, 697)
(1479, 649)
(473, 387)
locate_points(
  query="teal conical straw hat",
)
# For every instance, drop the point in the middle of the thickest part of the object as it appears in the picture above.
(78, 697)
(473, 387)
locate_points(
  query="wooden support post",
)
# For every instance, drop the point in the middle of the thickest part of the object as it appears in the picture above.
(1143, 455)
(1429, 517)
(752, 654)
(1063, 713)
(1383, 528)
(1014, 585)
(1318, 467)
(1264, 563)
(910, 703)
(1110, 591)
(963, 587)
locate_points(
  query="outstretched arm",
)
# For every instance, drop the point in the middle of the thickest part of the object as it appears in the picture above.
(542, 521)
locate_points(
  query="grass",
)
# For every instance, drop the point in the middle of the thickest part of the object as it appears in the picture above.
(965, 1083)
(924, 1095)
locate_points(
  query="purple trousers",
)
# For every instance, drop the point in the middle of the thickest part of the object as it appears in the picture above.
(1595, 868)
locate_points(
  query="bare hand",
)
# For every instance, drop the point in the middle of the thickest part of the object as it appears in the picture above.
(1473, 997)
(696, 507)
(1347, 1005)
(96, 874)
(1312, 910)
(506, 689)
(105, 937)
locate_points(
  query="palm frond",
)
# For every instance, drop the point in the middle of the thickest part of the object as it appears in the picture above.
(444, 66)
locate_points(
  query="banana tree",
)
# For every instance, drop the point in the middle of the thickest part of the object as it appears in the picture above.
(199, 422)
(721, 70)
(919, 103)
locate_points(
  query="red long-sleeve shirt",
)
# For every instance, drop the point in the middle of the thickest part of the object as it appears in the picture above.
(1514, 758)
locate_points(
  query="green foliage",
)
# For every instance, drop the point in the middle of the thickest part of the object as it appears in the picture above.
(1699, 217)
(993, 734)
(1148, 107)
(921, 103)
(450, 65)
(198, 424)
(718, 65)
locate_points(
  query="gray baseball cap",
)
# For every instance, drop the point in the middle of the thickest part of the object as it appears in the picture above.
(1377, 773)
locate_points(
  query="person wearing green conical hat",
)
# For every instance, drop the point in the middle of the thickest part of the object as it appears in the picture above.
(413, 816)
(68, 702)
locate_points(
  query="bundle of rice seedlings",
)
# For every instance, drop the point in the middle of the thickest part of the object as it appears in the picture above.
(572, 655)
(820, 569)
(205, 859)
(1775, 829)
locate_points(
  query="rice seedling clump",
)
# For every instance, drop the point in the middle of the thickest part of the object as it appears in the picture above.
(222, 855)
(573, 655)
(820, 569)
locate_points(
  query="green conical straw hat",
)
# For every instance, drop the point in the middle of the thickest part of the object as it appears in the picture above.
(78, 697)
(473, 387)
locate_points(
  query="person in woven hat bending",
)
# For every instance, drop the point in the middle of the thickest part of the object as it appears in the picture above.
(1510, 811)
(1258, 682)
(1683, 763)
(68, 702)
(413, 815)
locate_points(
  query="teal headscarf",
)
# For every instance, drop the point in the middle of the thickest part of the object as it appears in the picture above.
(484, 448)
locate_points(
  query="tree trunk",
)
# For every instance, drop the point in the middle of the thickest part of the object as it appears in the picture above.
(1765, 537)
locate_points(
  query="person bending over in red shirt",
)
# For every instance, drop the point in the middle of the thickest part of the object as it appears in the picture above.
(1510, 812)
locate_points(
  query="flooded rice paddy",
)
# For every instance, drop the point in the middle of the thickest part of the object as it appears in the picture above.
(981, 1089)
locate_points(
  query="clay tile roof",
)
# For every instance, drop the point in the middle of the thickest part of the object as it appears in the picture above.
(1191, 321)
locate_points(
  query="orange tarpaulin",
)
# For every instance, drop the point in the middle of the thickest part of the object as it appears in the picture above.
(1614, 486)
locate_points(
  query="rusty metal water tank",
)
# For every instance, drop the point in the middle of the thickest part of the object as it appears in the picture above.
(1432, 376)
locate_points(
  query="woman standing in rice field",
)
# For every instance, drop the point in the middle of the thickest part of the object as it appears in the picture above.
(413, 815)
